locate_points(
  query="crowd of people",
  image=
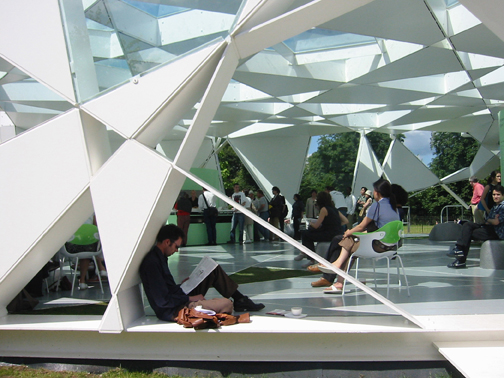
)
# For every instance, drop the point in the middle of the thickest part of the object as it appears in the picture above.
(330, 217)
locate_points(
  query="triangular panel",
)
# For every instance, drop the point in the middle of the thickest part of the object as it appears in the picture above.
(274, 161)
(42, 55)
(144, 96)
(367, 167)
(400, 162)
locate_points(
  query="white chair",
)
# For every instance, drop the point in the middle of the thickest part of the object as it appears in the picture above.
(389, 234)
(75, 257)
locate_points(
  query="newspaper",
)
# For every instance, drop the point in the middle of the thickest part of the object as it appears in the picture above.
(204, 268)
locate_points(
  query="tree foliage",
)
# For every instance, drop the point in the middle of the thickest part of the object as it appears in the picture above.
(334, 161)
(233, 171)
(451, 153)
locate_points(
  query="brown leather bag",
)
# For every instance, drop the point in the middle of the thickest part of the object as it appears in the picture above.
(350, 243)
(190, 318)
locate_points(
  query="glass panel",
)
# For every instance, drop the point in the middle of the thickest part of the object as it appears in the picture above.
(112, 40)
(450, 3)
(318, 39)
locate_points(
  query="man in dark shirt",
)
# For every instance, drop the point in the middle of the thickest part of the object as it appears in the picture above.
(492, 229)
(167, 298)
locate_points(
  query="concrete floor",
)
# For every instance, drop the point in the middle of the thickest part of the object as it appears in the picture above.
(435, 289)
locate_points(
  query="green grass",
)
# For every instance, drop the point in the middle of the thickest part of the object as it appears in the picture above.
(418, 229)
(257, 274)
(18, 371)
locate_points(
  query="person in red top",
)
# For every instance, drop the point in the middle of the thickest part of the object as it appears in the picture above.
(184, 207)
(478, 215)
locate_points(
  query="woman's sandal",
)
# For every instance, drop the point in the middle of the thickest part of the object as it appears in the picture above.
(333, 290)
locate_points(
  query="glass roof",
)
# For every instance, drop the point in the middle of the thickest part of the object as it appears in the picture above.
(157, 10)
(320, 39)
(129, 37)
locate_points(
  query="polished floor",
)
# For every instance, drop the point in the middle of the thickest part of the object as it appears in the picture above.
(434, 288)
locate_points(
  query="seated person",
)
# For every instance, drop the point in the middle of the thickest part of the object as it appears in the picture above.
(381, 212)
(492, 229)
(325, 227)
(77, 245)
(167, 298)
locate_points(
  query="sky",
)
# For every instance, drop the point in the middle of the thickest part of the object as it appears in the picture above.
(417, 142)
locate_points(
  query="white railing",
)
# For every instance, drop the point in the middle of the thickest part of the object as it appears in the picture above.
(447, 214)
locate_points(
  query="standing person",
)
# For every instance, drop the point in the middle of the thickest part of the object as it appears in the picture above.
(478, 189)
(249, 223)
(325, 228)
(492, 229)
(351, 201)
(338, 199)
(238, 217)
(255, 204)
(184, 207)
(277, 206)
(263, 212)
(486, 202)
(206, 201)
(366, 206)
(312, 210)
(380, 213)
(167, 298)
(194, 199)
(297, 214)
(360, 202)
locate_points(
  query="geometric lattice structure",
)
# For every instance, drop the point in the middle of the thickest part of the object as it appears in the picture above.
(91, 93)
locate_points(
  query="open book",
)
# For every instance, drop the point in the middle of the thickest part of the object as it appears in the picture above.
(205, 266)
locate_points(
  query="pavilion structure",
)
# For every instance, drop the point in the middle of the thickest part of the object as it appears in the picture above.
(106, 105)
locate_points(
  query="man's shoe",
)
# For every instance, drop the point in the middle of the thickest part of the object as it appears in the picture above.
(83, 286)
(455, 252)
(230, 241)
(457, 264)
(322, 282)
(299, 257)
(314, 268)
(246, 304)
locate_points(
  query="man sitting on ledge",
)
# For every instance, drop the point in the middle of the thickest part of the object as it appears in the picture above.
(492, 229)
(167, 298)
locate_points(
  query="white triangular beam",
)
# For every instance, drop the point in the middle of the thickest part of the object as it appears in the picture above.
(42, 55)
(367, 167)
(285, 26)
(144, 97)
(400, 162)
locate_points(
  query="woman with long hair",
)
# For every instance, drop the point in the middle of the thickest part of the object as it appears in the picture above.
(325, 227)
(486, 201)
(381, 212)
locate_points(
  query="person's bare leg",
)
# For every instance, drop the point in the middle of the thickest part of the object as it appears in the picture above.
(99, 261)
(84, 266)
(342, 259)
(341, 263)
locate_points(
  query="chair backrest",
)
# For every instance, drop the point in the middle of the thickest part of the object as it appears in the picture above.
(392, 232)
(85, 235)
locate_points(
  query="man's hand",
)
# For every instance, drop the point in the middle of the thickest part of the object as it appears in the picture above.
(494, 221)
(196, 298)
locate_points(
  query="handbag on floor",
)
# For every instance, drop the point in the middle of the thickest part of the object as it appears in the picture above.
(191, 318)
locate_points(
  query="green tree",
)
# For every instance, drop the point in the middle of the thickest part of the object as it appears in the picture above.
(233, 171)
(334, 161)
(451, 153)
